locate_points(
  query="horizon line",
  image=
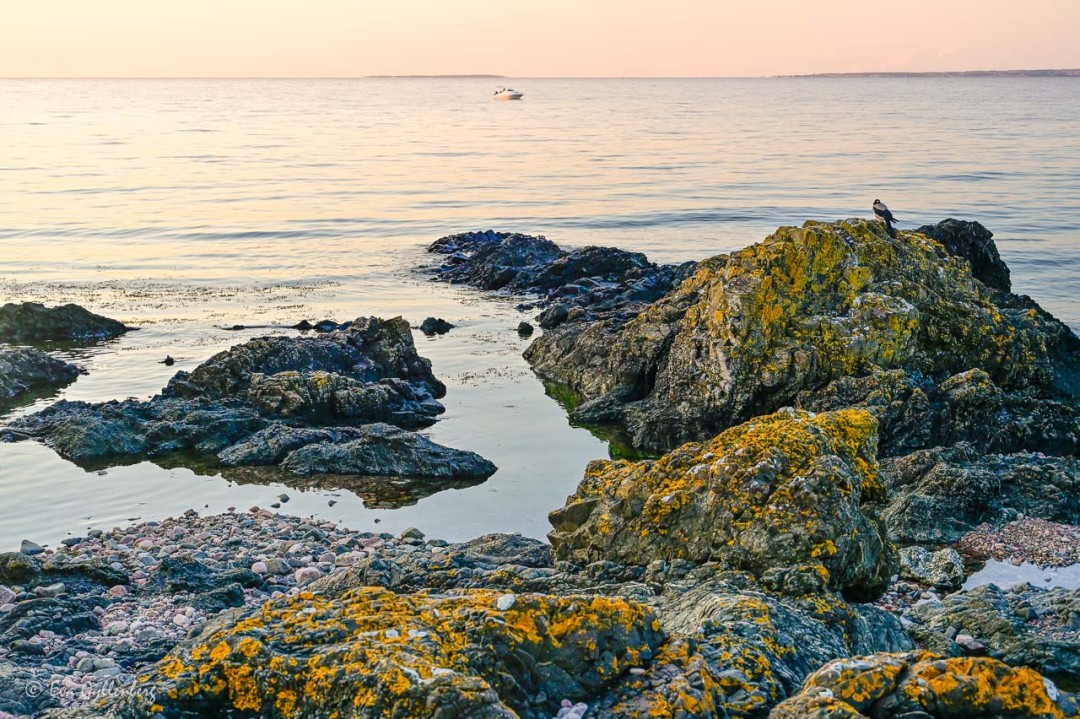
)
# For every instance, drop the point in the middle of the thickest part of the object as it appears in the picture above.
(1060, 72)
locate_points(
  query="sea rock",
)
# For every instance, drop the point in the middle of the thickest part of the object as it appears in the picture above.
(784, 490)
(32, 323)
(920, 684)
(384, 450)
(1023, 626)
(372, 653)
(973, 242)
(23, 369)
(370, 349)
(750, 331)
(938, 495)
(330, 398)
(435, 326)
(943, 569)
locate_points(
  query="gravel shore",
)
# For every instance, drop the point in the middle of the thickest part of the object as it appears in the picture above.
(1047, 544)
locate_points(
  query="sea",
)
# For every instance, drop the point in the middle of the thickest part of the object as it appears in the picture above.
(184, 207)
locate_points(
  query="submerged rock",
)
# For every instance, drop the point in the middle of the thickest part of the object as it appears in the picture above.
(32, 322)
(787, 491)
(24, 370)
(435, 326)
(750, 331)
(920, 684)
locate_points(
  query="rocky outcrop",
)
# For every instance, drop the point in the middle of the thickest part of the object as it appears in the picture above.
(375, 653)
(943, 569)
(384, 450)
(826, 302)
(24, 370)
(974, 243)
(920, 684)
(785, 493)
(938, 495)
(31, 322)
(1023, 626)
(317, 404)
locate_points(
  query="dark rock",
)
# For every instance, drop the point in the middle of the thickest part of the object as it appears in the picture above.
(216, 600)
(936, 496)
(30, 548)
(385, 450)
(18, 568)
(32, 323)
(784, 490)
(524, 329)
(168, 361)
(433, 326)
(24, 370)
(974, 243)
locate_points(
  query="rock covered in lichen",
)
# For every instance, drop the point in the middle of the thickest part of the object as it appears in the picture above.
(23, 370)
(779, 491)
(919, 684)
(943, 569)
(32, 322)
(807, 306)
(374, 653)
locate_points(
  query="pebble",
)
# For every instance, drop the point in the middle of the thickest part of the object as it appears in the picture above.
(307, 575)
(505, 602)
(7, 596)
(30, 548)
(260, 568)
(51, 590)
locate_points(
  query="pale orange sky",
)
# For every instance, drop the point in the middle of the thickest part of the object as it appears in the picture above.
(554, 38)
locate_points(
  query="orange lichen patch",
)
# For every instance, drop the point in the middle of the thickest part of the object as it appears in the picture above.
(774, 491)
(374, 651)
(980, 684)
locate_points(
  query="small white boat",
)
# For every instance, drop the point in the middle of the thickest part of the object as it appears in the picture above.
(507, 93)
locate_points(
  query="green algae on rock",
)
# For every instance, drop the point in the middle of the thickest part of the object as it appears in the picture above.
(807, 306)
(785, 490)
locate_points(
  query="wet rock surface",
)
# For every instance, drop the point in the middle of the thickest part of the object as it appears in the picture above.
(24, 370)
(32, 323)
(277, 400)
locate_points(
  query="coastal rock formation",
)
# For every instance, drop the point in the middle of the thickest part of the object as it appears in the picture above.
(478, 654)
(920, 684)
(31, 322)
(315, 404)
(943, 569)
(973, 242)
(938, 495)
(1023, 626)
(24, 370)
(826, 302)
(790, 490)
(435, 326)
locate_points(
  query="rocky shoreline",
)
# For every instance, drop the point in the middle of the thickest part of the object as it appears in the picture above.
(833, 413)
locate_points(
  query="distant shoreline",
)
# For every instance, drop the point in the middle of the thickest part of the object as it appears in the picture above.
(957, 73)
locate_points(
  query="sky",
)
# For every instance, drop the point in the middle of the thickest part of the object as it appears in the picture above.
(530, 38)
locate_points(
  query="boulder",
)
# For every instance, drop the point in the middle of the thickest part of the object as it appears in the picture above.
(749, 332)
(24, 370)
(33, 323)
(783, 490)
(374, 653)
(974, 243)
(435, 326)
(938, 495)
(943, 569)
(384, 450)
(920, 684)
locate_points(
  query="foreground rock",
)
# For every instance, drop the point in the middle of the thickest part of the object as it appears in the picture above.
(828, 316)
(31, 322)
(787, 494)
(902, 686)
(24, 370)
(316, 404)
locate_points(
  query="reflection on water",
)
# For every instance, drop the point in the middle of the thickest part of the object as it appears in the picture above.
(1005, 574)
(187, 206)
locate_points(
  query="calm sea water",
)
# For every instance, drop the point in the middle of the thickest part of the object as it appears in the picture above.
(183, 206)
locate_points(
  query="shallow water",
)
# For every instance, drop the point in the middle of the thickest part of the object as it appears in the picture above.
(1005, 574)
(184, 206)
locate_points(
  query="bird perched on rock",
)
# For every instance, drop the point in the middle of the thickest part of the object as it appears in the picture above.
(883, 213)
